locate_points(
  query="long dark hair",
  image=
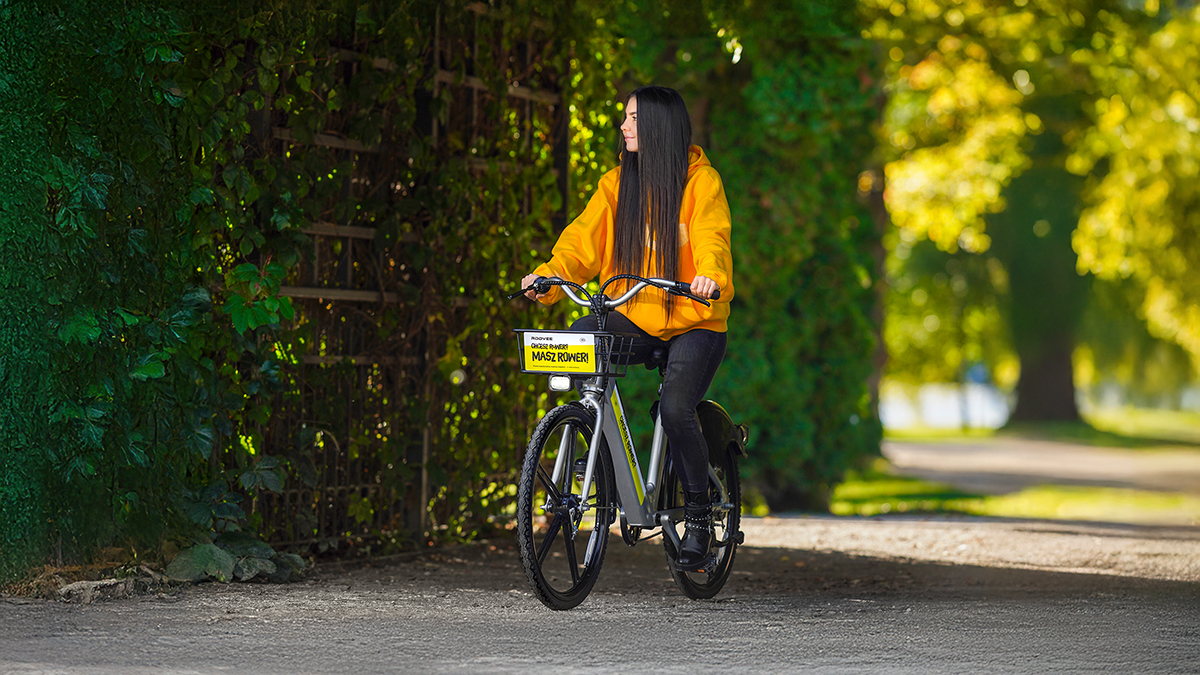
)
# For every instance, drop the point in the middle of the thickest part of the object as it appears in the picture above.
(650, 193)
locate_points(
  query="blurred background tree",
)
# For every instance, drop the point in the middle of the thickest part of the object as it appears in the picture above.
(995, 140)
(1139, 231)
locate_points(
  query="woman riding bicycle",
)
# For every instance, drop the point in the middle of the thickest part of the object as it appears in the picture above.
(661, 213)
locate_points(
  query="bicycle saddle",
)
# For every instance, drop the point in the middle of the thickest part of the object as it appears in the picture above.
(658, 358)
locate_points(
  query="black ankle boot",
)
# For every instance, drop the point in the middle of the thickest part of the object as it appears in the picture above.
(697, 532)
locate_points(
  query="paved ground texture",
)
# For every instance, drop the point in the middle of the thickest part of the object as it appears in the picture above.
(818, 594)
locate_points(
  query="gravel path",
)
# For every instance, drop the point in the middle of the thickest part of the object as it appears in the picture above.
(894, 594)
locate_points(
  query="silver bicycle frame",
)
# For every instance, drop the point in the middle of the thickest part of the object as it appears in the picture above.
(638, 500)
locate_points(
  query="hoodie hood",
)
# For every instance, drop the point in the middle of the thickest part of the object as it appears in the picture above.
(696, 160)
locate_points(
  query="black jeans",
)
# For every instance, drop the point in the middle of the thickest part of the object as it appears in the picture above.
(692, 361)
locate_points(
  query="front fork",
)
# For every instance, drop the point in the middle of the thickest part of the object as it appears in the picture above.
(594, 401)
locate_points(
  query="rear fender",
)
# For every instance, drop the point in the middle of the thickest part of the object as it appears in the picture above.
(719, 430)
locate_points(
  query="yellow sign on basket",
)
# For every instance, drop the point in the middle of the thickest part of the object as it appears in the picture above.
(560, 352)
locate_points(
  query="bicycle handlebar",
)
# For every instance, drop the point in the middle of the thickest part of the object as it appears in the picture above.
(543, 285)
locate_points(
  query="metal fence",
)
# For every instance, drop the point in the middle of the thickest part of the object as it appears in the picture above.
(356, 421)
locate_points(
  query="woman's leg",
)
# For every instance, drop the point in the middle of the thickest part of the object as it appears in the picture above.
(691, 365)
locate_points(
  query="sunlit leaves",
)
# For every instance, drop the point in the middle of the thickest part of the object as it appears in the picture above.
(254, 300)
(1146, 207)
(956, 127)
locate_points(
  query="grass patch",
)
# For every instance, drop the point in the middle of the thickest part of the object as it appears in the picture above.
(1171, 426)
(1118, 505)
(878, 492)
(936, 433)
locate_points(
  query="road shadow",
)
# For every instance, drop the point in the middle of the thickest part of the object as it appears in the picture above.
(778, 573)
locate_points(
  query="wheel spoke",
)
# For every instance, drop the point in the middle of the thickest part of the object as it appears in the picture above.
(570, 541)
(544, 549)
(547, 482)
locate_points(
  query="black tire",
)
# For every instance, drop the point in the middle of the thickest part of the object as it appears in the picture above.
(727, 519)
(561, 567)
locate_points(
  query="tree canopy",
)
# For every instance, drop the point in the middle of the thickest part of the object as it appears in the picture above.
(1142, 153)
(983, 93)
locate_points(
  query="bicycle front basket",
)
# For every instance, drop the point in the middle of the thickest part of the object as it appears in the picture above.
(566, 352)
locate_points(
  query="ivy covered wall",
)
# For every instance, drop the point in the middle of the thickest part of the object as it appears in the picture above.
(262, 249)
(23, 340)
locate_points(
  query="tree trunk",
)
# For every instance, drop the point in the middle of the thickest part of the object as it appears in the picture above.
(1032, 237)
(1046, 390)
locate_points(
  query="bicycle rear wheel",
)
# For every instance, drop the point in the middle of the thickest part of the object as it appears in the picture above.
(562, 544)
(726, 495)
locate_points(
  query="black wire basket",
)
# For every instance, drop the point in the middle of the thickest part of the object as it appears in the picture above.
(578, 353)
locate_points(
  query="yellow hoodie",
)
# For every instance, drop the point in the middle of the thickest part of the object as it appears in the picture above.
(585, 250)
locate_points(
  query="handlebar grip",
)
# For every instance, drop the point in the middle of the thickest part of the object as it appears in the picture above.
(687, 288)
(541, 285)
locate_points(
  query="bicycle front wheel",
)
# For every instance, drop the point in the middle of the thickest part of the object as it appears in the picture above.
(563, 534)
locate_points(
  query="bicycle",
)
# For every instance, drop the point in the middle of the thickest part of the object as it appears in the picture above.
(578, 474)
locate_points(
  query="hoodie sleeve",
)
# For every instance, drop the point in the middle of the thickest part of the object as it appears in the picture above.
(710, 231)
(579, 253)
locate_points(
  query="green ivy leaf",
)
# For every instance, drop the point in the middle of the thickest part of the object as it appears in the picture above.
(250, 480)
(361, 509)
(288, 566)
(240, 314)
(244, 545)
(83, 327)
(202, 562)
(248, 568)
(128, 318)
(254, 99)
(273, 481)
(201, 195)
(148, 368)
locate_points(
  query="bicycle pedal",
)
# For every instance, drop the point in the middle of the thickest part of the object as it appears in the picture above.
(709, 563)
(740, 538)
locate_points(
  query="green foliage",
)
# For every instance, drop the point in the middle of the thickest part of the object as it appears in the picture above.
(1140, 152)
(24, 113)
(177, 218)
(145, 373)
(945, 315)
(990, 105)
(201, 562)
(877, 492)
(164, 385)
(235, 556)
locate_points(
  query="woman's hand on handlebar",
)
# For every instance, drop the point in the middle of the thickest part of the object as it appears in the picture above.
(704, 287)
(527, 282)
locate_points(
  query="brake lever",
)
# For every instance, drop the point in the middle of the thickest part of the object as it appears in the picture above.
(685, 289)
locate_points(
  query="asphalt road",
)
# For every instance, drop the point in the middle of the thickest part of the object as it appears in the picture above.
(815, 594)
